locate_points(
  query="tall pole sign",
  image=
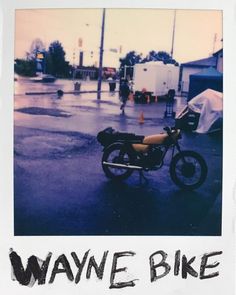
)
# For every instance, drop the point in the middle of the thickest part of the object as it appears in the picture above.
(101, 56)
(81, 53)
(40, 61)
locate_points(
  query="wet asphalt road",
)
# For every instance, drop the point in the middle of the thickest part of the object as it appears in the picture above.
(60, 188)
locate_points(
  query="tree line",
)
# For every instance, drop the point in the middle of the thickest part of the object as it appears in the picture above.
(54, 61)
(132, 58)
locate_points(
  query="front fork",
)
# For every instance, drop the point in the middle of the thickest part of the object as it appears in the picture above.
(177, 146)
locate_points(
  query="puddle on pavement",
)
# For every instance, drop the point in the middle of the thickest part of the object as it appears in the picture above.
(44, 111)
(49, 146)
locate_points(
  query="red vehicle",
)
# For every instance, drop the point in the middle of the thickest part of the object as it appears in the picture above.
(108, 72)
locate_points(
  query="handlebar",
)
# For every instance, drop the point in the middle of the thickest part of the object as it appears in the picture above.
(169, 129)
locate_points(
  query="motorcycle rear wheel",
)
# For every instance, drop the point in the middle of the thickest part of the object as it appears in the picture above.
(188, 170)
(117, 154)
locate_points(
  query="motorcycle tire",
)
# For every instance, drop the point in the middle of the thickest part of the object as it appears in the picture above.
(116, 153)
(188, 170)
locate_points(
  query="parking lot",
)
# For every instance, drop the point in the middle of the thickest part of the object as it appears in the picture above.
(60, 188)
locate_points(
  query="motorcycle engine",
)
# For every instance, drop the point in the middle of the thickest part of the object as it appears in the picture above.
(152, 158)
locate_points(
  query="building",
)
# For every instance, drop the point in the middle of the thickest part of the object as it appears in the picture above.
(186, 69)
(91, 73)
(219, 60)
(192, 67)
(86, 72)
(201, 81)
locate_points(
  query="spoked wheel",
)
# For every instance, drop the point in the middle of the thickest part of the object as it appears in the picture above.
(116, 154)
(188, 170)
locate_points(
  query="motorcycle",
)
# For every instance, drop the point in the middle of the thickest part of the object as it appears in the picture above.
(124, 153)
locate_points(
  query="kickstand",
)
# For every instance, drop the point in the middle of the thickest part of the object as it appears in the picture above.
(142, 177)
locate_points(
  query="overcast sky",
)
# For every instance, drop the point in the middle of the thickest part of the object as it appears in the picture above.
(141, 30)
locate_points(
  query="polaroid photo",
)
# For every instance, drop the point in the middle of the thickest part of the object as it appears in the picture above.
(117, 147)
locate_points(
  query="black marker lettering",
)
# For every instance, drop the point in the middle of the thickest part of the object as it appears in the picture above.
(66, 268)
(79, 264)
(154, 266)
(187, 268)
(204, 265)
(98, 269)
(115, 270)
(23, 276)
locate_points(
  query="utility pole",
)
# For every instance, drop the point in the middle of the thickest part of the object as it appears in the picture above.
(214, 43)
(173, 36)
(101, 56)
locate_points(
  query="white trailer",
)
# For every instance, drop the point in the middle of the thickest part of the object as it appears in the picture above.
(156, 78)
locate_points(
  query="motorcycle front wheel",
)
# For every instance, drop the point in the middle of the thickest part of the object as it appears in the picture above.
(188, 170)
(117, 154)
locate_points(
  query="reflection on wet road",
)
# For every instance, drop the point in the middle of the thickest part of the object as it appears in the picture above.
(60, 188)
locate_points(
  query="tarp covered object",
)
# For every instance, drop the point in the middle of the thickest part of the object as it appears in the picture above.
(209, 104)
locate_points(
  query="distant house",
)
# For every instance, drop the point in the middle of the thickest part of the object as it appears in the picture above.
(91, 72)
(86, 72)
(219, 60)
(201, 81)
(192, 67)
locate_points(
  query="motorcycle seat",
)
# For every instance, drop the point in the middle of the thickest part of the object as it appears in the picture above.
(148, 140)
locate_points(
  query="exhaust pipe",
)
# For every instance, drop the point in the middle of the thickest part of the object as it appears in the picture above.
(116, 165)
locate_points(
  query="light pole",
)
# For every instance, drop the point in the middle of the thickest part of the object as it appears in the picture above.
(173, 35)
(101, 56)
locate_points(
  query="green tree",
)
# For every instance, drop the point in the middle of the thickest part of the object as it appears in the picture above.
(55, 60)
(25, 67)
(132, 58)
(160, 56)
(48, 63)
(127, 63)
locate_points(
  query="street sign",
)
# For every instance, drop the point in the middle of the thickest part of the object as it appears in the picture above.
(113, 50)
(39, 55)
